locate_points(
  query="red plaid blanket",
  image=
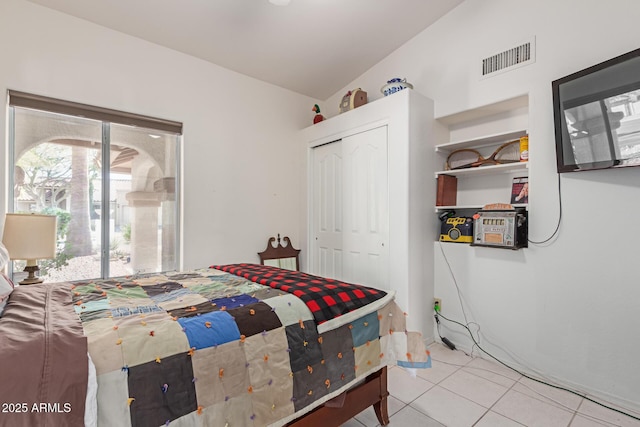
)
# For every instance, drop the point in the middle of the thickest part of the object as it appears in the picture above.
(326, 298)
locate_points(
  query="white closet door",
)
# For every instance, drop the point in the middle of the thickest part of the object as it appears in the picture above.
(326, 206)
(366, 208)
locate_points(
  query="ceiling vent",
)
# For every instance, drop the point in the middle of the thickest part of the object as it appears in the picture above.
(519, 56)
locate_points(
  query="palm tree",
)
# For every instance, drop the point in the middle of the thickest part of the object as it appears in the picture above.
(79, 234)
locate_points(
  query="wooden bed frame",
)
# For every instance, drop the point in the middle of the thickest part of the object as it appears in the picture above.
(279, 251)
(373, 392)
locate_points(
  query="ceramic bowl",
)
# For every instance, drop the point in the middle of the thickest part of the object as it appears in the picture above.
(395, 85)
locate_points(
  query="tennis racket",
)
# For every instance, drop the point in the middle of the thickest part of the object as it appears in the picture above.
(509, 152)
(463, 158)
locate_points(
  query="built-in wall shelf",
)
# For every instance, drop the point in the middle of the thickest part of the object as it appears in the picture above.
(504, 106)
(473, 207)
(484, 129)
(486, 170)
(482, 141)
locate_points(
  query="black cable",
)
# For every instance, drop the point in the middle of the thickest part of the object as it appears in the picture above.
(527, 376)
(438, 325)
(559, 218)
(437, 313)
(455, 282)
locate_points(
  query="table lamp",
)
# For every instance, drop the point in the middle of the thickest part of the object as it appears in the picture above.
(30, 237)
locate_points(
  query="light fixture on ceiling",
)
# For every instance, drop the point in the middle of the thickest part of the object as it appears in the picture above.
(280, 2)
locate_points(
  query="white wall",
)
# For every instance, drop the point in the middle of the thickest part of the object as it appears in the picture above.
(241, 161)
(569, 309)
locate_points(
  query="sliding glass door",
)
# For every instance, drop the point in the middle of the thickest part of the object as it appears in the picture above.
(143, 211)
(112, 187)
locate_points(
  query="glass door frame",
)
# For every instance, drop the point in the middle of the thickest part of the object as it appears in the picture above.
(105, 189)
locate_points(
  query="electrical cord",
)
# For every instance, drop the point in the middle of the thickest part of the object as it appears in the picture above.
(444, 340)
(475, 342)
(460, 299)
(438, 324)
(555, 232)
(528, 376)
(455, 282)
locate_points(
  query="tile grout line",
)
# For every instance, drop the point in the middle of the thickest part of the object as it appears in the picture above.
(540, 396)
(537, 395)
(494, 404)
(447, 376)
(459, 367)
(592, 417)
(404, 405)
(471, 368)
(409, 404)
(444, 388)
(573, 417)
(507, 389)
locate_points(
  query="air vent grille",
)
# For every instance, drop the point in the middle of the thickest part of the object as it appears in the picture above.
(517, 56)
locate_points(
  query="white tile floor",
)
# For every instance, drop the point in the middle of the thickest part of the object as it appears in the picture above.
(460, 391)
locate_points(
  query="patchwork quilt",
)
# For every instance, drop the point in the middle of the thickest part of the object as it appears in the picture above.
(237, 345)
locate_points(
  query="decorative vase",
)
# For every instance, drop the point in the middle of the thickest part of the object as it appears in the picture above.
(395, 85)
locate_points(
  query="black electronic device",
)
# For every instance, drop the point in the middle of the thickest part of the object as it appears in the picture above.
(456, 229)
(446, 214)
(596, 118)
(501, 228)
(448, 343)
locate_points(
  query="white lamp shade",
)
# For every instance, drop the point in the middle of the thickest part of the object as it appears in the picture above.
(30, 236)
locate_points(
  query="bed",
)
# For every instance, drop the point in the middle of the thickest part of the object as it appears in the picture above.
(229, 345)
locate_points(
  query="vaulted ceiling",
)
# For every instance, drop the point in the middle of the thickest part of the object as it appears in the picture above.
(313, 47)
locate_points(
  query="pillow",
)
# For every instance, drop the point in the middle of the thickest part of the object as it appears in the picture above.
(6, 287)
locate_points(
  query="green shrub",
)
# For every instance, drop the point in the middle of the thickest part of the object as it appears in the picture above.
(62, 258)
(126, 233)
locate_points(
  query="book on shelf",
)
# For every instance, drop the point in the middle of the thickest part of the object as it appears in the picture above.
(447, 190)
(520, 190)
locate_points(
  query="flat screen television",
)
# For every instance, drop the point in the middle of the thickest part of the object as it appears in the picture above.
(597, 115)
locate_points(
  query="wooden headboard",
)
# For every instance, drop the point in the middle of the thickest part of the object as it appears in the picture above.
(280, 252)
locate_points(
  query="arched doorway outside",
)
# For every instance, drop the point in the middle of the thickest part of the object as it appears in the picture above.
(59, 161)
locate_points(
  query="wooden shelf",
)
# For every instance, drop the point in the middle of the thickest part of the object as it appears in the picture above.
(486, 170)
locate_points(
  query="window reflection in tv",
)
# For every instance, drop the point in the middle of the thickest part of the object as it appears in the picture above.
(597, 115)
